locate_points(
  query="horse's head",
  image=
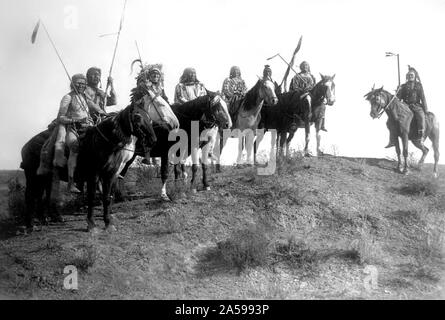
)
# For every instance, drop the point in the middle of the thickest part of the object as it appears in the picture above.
(160, 111)
(217, 112)
(141, 125)
(267, 91)
(379, 99)
(326, 88)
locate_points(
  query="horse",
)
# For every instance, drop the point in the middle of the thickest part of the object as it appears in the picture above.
(210, 110)
(282, 116)
(36, 185)
(400, 121)
(105, 149)
(322, 93)
(245, 113)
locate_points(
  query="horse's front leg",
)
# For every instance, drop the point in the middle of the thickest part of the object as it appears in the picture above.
(318, 136)
(288, 141)
(107, 183)
(307, 128)
(164, 177)
(91, 191)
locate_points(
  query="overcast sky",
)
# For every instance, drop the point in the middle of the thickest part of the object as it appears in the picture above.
(345, 37)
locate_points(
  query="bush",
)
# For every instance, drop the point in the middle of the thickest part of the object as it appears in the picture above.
(420, 188)
(247, 247)
(16, 200)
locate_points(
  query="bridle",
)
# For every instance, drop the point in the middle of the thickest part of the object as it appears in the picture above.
(383, 110)
(130, 121)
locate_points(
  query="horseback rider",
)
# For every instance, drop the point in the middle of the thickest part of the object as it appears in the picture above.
(234, 86)
(151, 78)
(267, 75)
(95, 96)
(411, 92)
(305, 82)
(189, 87)
(73, 118)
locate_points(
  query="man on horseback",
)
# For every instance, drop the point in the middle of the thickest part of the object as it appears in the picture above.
(234, 86)
(151, 78)
(411, 92)
(189, 87)
(95, 97)
(305, 82)
(267, 75)
(73, 118)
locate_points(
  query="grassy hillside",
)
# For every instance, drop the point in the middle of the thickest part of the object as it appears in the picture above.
(313, 230)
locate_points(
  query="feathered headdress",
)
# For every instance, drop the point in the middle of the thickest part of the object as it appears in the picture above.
(416, 74)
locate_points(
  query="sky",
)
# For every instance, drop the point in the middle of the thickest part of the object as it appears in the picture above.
(343, 37)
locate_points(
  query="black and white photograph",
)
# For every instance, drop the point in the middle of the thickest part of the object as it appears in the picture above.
(222, 150)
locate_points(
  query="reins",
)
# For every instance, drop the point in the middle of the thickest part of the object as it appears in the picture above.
(107, 140)
(389, 103)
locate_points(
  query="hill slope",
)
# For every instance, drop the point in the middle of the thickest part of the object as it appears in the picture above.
(313, 230)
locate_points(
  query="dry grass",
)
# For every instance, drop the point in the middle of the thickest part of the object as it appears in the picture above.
(247, 247)
(16, 200)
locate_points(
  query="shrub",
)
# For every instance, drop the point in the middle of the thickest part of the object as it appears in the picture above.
(16, 200)
(247, 247)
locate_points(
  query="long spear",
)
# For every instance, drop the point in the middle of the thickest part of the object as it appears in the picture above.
(114, 53)
(33, 40)
(291, 63)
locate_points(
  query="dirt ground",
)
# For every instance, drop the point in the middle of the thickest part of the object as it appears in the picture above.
(319, 228)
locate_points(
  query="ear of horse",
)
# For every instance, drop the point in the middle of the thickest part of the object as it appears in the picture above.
(333, 77)
(322, 76)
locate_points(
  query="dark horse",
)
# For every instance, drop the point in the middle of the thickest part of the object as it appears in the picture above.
(106, 148)
(322, 93)
(400, 116)
(36, 185)
(126, 123)
(210, 110)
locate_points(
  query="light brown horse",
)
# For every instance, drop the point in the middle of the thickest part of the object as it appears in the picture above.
(401, 125)
(246, 115)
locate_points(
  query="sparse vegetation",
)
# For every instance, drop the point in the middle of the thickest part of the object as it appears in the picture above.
(420, 187)
(248, 247)
(16, 200)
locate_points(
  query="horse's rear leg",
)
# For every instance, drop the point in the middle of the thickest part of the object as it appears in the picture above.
(434, 137)
(405, 153)
(419, 144)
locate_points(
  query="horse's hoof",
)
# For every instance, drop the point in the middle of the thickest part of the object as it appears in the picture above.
(110, 228)
(165, 197)
(307, 155)
(435, 175)
(207, 188)
(93, 230)
(194, 191)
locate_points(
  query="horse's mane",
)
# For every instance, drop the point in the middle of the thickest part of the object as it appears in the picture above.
(251, 96)
(137, 93)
